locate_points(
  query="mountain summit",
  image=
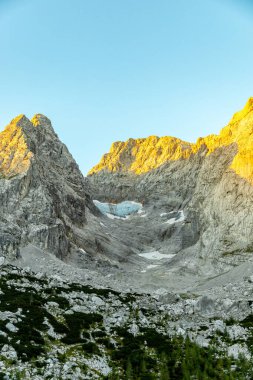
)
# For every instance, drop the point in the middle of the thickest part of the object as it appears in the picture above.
(45, 199)
(143, 155)
(41, 186)
(209, 182)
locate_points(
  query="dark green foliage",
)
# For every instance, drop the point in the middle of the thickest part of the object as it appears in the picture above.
(106, 343)
(153, 356)
(28, 341)
(203, 328)
(90, 348)
(90, 290)
(148, 356)
(77, 323)
(125, 298)
(248, 321)
(230, 322)
(98, 334)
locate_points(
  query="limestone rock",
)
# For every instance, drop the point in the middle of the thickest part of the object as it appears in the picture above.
(143, 155)
(44, 197)
(210, 181)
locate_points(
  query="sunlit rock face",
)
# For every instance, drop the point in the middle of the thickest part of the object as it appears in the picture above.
(46, 201)
(211, 181)
(42, 191)
(43, 195)
(15, 155)
(143, 155)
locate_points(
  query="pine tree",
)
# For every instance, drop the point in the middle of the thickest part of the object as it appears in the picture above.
(164, 372)
(129, 370)
(143, 367)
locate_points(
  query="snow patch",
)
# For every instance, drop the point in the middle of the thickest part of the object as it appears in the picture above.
(179, 218)
(111, 216)
(151, 266)
(167, 213)
(118, 210)
(156, 255)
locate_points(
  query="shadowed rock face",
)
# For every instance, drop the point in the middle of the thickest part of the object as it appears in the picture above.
(211, 181)
(42, 191)
(196, 202)
(43, 195)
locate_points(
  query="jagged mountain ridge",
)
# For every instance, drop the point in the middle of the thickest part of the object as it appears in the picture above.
(45, 199)
(33, 166)
(188, 243)
(210, 181)
(196, 207)
(143, 155)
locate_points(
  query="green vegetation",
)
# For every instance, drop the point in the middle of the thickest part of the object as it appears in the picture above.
(29, 341)
(78, 324)
(150, 355)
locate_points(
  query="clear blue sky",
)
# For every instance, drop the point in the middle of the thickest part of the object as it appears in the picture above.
(107, 70)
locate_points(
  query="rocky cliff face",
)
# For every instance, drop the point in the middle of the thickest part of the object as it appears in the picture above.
(196, 198)
(210, 181)
(42, 191)
(44, 197)
(187, 241)
(140, 156)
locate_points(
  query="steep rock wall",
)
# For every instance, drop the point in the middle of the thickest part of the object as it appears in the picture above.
(210, 180)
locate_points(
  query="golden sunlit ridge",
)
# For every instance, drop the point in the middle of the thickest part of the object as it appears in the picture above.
(142, 155)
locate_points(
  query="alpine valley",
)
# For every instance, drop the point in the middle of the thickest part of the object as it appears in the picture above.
(142, 270)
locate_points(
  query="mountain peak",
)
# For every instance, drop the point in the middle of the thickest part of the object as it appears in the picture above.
(38, 170)
(15, 154)
(20, 121)
(21, 139)
(37, 120)
(143, 155)
(40, 120)
(244, 112)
